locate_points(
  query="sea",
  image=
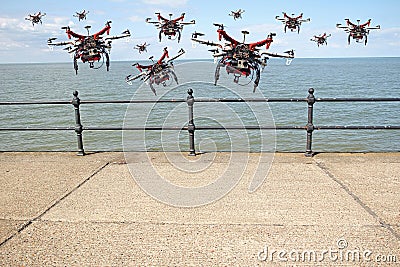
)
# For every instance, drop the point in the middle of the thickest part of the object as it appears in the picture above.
(329, 77)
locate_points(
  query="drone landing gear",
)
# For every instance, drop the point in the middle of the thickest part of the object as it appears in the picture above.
(76, 65)
(366, 40)
(179, 36)
(257, 80)
(152, 88)
(165, 78)
(107, 61)
(217, 72)
(174, 76)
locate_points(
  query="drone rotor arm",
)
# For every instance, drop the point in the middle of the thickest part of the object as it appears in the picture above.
(206, 42)
(106, 29)
(180, 53)
(377, 27)
(289, 54)
(125, 34)
(223, 34)
(148, 20)
(59, 43)
(189, 22)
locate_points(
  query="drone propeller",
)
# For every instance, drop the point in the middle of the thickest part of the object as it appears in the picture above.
(220, 26)
(50, 40)
(244, 35)
(214, 50)
(196, 34)
(290, 52)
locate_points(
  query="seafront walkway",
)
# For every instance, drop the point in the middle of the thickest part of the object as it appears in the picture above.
(334, 209)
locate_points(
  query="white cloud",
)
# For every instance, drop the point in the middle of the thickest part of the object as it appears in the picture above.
(171, 3)
(136, 18)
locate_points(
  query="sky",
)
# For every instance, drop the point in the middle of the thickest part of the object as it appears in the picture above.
(20, 42)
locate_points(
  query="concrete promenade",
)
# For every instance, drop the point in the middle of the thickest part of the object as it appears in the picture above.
(59, 209)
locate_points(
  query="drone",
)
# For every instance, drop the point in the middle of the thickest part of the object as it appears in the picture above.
(36, 18)
(171, 28)
(237, 14)
(90, 48)
(240, 58)
(142, 47)
(81, 15)
(160, 72)
(357, 31)
(321, 39)
(293, 23)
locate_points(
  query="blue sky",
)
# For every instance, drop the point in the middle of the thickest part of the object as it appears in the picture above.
(20, 42)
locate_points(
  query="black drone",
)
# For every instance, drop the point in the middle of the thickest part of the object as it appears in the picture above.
(357, 31)
(292, 23)
(240, 58)
(89, 48)
(36, 18)
(172, 28)
(81, 15)
(160, 72)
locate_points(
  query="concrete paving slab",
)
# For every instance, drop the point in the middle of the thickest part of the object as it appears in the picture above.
(292, 194)
(33, 182)
(9, 227)
(305, 209)
(147, 244)
(373, 177)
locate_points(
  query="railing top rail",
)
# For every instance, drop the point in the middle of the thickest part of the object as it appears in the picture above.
(358, 99)
(20, 103)
(232, 100)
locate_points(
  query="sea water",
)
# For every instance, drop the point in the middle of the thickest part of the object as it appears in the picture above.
(333, 77)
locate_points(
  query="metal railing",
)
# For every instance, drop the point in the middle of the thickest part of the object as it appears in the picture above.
(191, 128)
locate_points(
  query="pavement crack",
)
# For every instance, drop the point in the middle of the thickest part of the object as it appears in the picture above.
(387, 226)
(55, 203)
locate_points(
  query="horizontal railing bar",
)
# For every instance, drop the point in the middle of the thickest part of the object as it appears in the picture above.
(17, 103)
(251, 128)
(171, 128)
(248, 127)
(233, 100)
(197, 128)
(38, 129)
(132, 101)
(351, 127)
(356, 99)
(250, 100)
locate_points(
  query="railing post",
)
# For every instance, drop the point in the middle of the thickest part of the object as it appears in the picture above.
(78, 126)
(191, 127)
(310, 126)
